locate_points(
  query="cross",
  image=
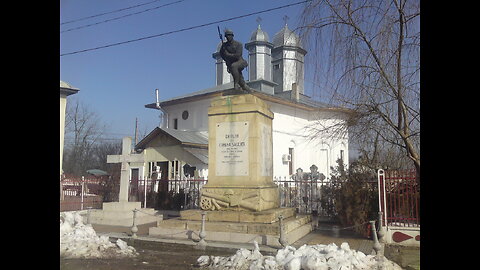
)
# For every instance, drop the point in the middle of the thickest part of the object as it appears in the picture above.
(259, 19)
(125, 158)
(285, 19)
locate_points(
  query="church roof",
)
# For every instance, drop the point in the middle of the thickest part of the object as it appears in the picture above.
(286, 37)
(67, 89)
(283, 98)
(259, 35)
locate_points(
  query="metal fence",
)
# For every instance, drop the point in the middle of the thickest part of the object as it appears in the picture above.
(399, 198)
(79, 193)
(178, 194)
(305, 195)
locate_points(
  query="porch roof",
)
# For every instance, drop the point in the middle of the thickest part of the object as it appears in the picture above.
(190, 138)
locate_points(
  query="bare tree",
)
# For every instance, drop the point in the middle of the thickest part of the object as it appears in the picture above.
(367, 59)
(83, 131)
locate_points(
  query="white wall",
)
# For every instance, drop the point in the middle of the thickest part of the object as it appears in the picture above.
(197, 115)
(290, 129)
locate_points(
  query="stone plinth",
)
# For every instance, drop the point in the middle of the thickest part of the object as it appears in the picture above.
(236, 226)
(121, 214)
(267, 216)
(240, 156)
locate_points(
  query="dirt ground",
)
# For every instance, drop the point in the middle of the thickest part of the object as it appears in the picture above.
(153, 255)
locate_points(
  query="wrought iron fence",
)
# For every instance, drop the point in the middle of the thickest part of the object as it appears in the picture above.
(399, 198)
(175, 194)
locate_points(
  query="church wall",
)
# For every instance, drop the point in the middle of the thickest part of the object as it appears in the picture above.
(290, 129)
(197, 115)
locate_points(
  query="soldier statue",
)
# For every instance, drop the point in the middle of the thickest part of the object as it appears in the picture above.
(231, 53)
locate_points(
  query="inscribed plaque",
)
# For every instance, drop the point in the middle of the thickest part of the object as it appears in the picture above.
(232, 149)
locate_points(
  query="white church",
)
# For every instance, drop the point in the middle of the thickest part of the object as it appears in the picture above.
(179, 146)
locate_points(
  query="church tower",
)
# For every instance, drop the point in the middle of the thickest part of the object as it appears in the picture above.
(222, 76)
(259, 56)
(288, 61)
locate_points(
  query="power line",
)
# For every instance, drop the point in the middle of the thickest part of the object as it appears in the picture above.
(120, 17)
(110, 12)
(184, 29)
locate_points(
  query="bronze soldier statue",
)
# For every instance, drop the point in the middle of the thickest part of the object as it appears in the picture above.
(231, 53)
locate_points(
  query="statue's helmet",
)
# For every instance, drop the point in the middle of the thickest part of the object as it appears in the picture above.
(228, 32)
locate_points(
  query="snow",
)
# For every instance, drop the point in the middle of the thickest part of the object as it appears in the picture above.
(307, 257)
(79, 240)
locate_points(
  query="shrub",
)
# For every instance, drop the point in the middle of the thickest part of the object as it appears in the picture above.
(351, 199)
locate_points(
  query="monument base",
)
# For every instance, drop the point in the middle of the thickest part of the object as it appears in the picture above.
(236, 226)
(239, 198)
(121, 214)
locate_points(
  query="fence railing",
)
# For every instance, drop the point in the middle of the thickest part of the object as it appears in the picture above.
(399, 198)
(304, 195)
(79, 193)
(167, 194)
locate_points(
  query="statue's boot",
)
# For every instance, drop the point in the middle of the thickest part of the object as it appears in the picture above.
(244, 86)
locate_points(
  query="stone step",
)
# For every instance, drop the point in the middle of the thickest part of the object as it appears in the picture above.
(240, 227)
(298, 229)
(122, 217)
(266, 216)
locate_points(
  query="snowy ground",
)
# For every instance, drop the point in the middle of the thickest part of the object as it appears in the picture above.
(79, 240)
(307, 257)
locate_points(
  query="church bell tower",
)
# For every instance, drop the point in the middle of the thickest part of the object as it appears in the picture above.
(288, 61)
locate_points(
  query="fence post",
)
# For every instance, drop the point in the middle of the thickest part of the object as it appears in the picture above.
(382, 204)
(202, 244)
(81, 193)
(282, 240)
(376, 244)
(134, 225)
(144, 192)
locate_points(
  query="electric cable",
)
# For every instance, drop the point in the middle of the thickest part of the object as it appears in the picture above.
(183, 29)
(105, 13)
(120, 17)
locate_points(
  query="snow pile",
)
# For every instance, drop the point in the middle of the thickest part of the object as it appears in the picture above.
(78, 240)
(307, 257)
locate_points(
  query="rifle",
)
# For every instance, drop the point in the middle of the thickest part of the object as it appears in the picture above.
(219, 34)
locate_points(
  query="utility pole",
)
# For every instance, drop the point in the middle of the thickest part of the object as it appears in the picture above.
(136, 130)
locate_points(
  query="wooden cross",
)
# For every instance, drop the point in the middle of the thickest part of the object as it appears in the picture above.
(125, 158)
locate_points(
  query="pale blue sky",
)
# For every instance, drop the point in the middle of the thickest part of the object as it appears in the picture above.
(117, 82)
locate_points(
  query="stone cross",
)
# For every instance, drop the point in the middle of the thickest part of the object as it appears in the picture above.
(125, 158)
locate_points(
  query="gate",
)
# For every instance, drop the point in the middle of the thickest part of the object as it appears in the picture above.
(399, 198)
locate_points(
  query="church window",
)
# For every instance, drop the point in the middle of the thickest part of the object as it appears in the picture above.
(185, 115)
(290, 164)
(341, 155)
(175, 123)
(276, 66)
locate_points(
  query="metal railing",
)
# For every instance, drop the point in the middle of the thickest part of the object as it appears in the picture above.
(399, 198)
(79, 193)
(178, 193)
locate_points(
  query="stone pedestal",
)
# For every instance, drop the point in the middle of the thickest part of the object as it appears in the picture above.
(236, 226)
(240, 156)
(121, 214)
(240, 199)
